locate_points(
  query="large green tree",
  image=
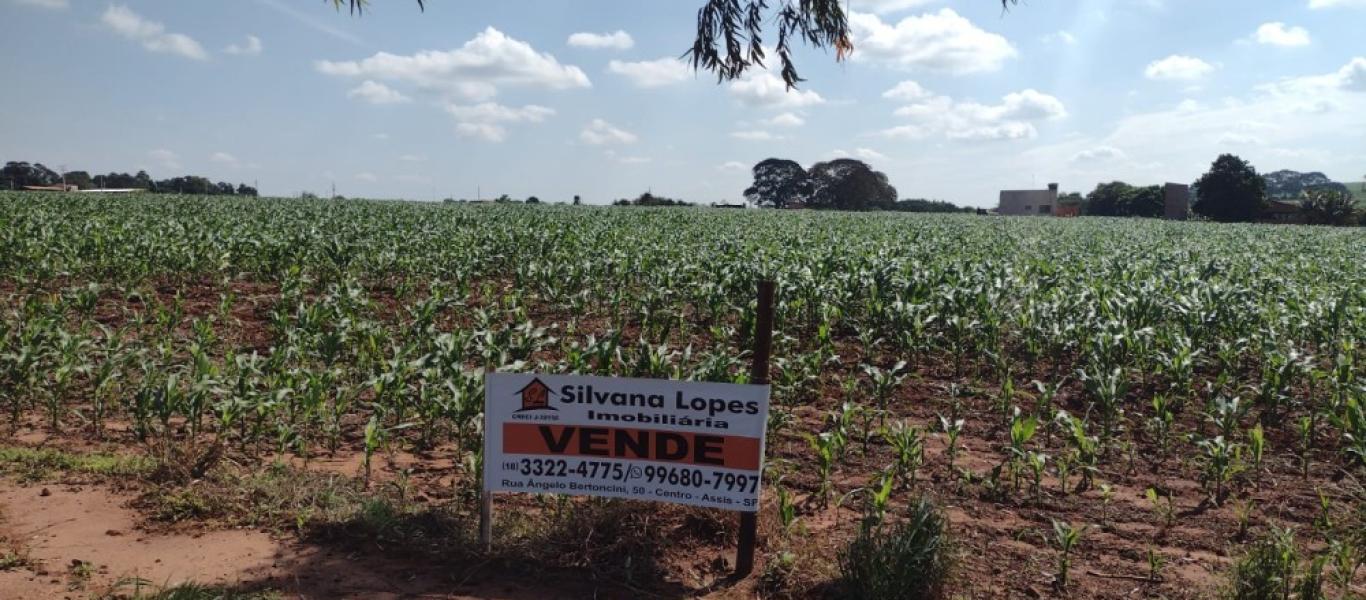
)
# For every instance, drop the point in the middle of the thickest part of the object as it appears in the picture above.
(848, 184)
(731, 33)
(1326, 206)
(778, 182)
(1107, 199)
(1231, 191)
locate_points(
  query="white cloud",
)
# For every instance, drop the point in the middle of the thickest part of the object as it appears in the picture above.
(1353, 76)
(223, 158)
(486, 120)
(251, 48)
(755, 135)
(1304, 123)
(1013, 118)
(764, 88)
(377, 93)
(617, 40)
(50, 4)
(786, 119)
(942, 41)
(1061, 35)
(1337, 3)
(413, 158)
(869, 154)
(366, 176)
(1178, 67)
(475, 71)
(1277, 34)
(1099, 154)
(883, 7)
(166, 158)
(152, 35)
(1239, 139)
(652, 73)
(906, 91)
(599, 132)
(380, 136)
(733, 165)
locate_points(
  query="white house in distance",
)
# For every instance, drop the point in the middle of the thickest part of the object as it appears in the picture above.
(1029, 202)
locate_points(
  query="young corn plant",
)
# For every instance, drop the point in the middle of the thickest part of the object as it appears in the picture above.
(1037, 462)
(1085, 448)
(1022, 430)
(1222, 462)
(1162, 506)
(884, 382)
(825, 445)
(952, 428)
(1066, 538)
(908, 449)
(1155, 564)
(1161, 423)
(1256, 445)
(1108, 388)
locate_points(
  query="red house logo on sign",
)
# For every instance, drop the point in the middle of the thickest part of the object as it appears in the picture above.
(535, 396)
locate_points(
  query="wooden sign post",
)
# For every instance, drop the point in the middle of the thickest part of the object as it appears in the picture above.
(758, 375)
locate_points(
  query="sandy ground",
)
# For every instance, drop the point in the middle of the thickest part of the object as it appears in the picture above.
(62, 526)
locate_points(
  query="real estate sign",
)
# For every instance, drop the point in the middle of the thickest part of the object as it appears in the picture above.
(644, 439)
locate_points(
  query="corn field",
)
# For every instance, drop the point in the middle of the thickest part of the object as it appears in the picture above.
(1068, 354)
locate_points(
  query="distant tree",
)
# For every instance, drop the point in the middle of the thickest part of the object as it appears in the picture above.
(307, 196)
(80, 179)
(1107, 200)
(927, 206)
(1144, 202)
(533, 200)
(649, 199)
(1231, 191)
(18, 174)
(503, 199)
(849, 184)
(223, 188)
(577, 200)
(246, 190)
(778, 182)
(730, 33)
(1329, 207)
(1119, 199)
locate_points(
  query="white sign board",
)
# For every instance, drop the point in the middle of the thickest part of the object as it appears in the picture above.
(643, 439)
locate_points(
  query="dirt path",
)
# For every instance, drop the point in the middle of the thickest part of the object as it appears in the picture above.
(63, 527)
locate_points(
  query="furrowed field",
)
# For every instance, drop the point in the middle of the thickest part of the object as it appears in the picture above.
(1098, 408)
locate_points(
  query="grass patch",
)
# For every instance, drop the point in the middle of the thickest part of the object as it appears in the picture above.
(37, 464)
(910, 559)
(275, 497)
(138, 589)
(1271, 570)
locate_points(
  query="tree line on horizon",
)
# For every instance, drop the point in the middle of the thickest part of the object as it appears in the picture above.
(1230, 192)
(16, 175)
(840, 184)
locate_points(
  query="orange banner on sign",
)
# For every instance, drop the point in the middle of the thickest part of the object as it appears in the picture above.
(701, 449)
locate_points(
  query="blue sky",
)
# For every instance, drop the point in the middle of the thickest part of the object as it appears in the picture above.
(953, 99)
